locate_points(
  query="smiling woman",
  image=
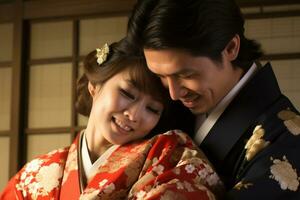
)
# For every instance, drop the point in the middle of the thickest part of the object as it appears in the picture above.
(110, 159)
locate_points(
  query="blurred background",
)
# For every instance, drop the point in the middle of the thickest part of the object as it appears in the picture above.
(43, 42)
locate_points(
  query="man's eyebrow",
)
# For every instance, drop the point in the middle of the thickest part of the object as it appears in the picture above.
(179, 72)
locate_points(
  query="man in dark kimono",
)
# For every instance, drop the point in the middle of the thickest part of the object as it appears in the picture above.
(248, 129)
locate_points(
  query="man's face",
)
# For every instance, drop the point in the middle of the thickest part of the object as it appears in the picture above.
(198, 82)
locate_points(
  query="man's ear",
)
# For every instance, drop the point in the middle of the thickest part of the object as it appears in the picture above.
(92, 89)
(232, 49)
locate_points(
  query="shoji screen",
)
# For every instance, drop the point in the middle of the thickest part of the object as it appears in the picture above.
(280, 36)
(50, 86)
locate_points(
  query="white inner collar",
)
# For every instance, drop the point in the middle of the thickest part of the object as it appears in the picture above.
(209, 122)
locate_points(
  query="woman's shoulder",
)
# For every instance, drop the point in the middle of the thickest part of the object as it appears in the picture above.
(35, 175)
(54, 154)
(57, 156)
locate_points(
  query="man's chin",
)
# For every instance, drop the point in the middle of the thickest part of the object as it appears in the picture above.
(195, 111)
(198, 110)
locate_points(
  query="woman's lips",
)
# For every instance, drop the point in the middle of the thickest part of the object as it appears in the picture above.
(122, 125)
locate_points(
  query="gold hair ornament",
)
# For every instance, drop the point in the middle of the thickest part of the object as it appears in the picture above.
(102, 54)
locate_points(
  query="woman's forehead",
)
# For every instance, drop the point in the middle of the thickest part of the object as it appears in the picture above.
(143, 80)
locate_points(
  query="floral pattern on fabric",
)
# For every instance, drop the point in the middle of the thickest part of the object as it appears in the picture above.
(256, 143)
(41, 177)
(168, 166)
(242, 185)
(283, 172)
(291, 121)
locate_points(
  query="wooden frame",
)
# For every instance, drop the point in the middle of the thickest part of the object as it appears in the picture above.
(22, 12)
(255, 3)
(16, 107)
(5, 64)
(6, 12)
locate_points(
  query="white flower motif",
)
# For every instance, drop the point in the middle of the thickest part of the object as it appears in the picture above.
(189, 168)
(203, 173)
(34, 165)
(212, 179)
(24, 193)
(293, 125)
(140, 195)
(179, 185)
(286, 114)
(158, 169)
(23, 175)
(33, 188)
(109, 188)
(28, 180)
(209, 168)
(49, 176)
(283, 172)
(103, 182)
(90, 195)
(291, 121)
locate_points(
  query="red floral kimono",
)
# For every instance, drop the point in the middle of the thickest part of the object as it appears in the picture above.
(166, 167)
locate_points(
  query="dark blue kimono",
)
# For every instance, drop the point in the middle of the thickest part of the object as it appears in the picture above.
(255, 144)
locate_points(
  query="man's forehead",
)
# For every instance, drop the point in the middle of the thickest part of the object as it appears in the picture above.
(162, 61)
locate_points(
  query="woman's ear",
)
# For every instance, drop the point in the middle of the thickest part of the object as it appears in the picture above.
(232, 49)
(92, 89)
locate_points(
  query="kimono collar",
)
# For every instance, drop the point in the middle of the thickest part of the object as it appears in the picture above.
(253, 99)
(212, 118)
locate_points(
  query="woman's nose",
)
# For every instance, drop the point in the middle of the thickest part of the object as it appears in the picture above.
(134, 112)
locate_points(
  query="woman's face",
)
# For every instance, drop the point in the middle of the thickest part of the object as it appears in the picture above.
(120, 112)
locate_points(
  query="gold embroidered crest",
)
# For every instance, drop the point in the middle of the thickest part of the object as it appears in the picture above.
(255, 144)
(293, 125)
(283, 172)
(240, 185)
(291, 121)
(286, 115)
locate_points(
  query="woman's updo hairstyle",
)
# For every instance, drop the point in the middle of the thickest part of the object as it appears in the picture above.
(118, 59)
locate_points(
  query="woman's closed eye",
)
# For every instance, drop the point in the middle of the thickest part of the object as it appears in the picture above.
(127, 94)
(154, 110)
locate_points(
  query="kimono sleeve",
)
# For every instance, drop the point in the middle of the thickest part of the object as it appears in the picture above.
(10, 192)
(176, 169)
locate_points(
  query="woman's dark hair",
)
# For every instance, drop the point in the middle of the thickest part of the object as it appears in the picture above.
(119, 59)
(199, 27)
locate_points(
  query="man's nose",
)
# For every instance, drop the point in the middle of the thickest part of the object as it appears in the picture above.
(176, 90)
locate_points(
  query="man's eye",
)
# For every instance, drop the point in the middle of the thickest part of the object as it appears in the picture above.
(127, 94)
(186, 76)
